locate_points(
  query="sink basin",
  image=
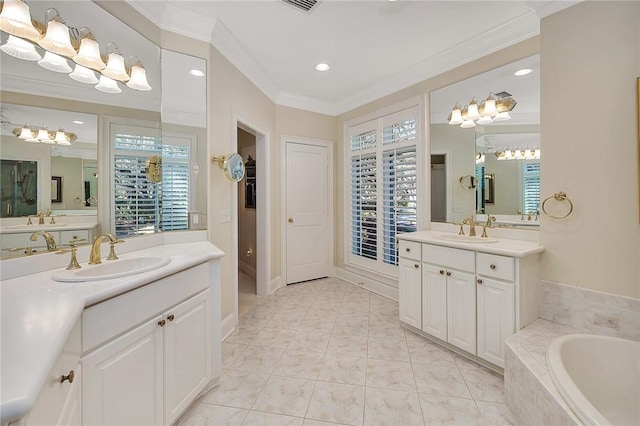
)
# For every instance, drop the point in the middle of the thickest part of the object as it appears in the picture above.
(112, 269)
(37, 227)
(465, 238)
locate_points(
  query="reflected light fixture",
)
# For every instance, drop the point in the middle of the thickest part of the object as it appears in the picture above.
(21, 49)
(57, 38)
(15, 19)
(42, 135)
(115, 65)
(138, 79)
(323, 67)
(83, 75)
(196, 73)
(495, 108)
(107, 85)
(53, 62)
(523, 71)
(89, 51)
(515, 153)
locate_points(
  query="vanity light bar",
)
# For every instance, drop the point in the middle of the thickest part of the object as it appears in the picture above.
(60, 47)
(43, 135)
(495, 108)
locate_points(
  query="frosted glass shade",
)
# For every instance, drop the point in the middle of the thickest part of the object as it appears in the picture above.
(456, 116)
(83, 75)
(61, 138)
(57, 39)
(489, 107)
(472, 111)
(485, 120)
(115, 68)
(25, 133)
(21, 49)
(138, 79)
(108, 85)
(53, 62)
(43, 136)
(502, 116)
(15, 19)
(467, 124)
(89, 55)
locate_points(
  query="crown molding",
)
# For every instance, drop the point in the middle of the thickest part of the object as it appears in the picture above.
(306, 103)
(170, 17)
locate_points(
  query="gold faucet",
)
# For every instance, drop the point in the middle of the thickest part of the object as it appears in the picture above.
(40, 218)
(48, 238)
(94, 257)
(472, 226)
(490, 219)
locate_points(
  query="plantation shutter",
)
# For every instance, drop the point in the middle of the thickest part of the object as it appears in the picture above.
(531, 186)
(175, 184)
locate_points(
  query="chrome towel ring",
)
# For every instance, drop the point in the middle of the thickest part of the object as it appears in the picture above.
(558, 196)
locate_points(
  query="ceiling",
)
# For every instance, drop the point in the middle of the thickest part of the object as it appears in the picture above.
(375, 47)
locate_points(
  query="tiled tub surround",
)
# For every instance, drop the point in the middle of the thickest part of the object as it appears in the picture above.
(529, 390)
(329, 351)
(589, 310)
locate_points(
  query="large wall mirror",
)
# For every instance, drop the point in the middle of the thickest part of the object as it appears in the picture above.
(500, 154)
(101, 178)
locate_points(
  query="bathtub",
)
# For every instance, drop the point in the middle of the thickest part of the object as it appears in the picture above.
(598, 377)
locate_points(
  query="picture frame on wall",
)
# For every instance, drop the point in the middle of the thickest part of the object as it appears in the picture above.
(56, 189)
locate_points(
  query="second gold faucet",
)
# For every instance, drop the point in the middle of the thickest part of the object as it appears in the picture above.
(94, 257)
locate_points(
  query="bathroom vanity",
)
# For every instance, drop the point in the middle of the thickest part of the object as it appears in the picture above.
(468, 294)
(137, 349)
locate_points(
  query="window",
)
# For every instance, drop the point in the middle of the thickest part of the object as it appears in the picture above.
(383, 197)
(140, 205)
(531, 186)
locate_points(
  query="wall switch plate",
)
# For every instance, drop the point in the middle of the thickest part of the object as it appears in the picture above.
(458, 209)
(225, 216)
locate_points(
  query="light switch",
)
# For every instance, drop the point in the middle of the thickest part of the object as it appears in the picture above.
(458, 209)
(225, 216)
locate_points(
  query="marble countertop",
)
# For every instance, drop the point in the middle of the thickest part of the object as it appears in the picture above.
(503, 246)
(38, 315)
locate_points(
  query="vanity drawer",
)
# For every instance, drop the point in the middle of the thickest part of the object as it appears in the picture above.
(113, 317)
(492, 265)
(463, 260)
(409, 250)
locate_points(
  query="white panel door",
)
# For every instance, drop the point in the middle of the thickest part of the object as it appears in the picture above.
(461, 310)
(307, 186)
(122, 380)
(434, 301)
(410, 292)
(187, 356)
(496, 318)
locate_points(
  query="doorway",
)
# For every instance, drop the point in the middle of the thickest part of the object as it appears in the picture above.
(438, 188)
(308, 207)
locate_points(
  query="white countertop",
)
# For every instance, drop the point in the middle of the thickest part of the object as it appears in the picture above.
(38, 315)
(504, 246)
(25, 229)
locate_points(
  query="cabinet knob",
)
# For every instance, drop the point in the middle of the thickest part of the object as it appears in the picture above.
(407, 249)
(441, 272)
(479, 281)
(171, 317)
(416, 266)
(68, 377)
(448, 273)
(290, 220)
(161, 323)
(492, 266)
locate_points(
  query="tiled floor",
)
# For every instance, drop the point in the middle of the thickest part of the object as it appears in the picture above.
(327, 352)
(246, 293)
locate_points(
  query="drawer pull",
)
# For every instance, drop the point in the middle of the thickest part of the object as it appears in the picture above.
(441, 272)
(448, 273)
(407, 249)
(492, 266)
(479, 281)
(161, 323)
(68, 377)
(171, 317)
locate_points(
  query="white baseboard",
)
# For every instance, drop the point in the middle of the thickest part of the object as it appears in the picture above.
(228, 325)
(275, 284)
(370, 284)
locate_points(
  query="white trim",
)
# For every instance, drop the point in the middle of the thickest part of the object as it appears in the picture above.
(228, 325)
(368, 283)
(448, 167)
(284, 139)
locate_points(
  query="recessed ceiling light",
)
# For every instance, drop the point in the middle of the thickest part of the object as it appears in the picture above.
(323, 67)
(197, 73)
(523, 71)
(77, 122)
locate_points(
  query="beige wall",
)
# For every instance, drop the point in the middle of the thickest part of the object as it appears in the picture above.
(590, 61)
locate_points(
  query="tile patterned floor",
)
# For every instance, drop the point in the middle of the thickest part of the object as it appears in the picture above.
(328, 353)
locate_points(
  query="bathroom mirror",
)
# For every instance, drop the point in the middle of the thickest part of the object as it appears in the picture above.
(471, 151)
(26, 84)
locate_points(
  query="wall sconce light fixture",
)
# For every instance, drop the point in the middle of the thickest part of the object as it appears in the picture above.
(495, 108)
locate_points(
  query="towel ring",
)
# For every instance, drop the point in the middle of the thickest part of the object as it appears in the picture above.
(558, 196)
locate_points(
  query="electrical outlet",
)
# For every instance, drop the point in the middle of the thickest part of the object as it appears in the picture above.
(225, 216)
(458, 209)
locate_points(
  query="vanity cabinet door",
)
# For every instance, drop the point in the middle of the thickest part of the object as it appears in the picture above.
(122, 380)
(187, 356)
(461, 310)
(496, 318)
(434, 301)
(410, 292)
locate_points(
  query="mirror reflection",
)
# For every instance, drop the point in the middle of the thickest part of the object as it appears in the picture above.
(495, 141)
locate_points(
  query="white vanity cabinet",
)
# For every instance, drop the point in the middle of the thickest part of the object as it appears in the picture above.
(469, 298)
(147, 357)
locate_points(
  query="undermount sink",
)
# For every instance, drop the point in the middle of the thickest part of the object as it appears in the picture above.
(37, 227)
(465, 238)
(112, 269)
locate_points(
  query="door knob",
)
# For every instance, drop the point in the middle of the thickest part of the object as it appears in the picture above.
(290, 220)
(68, 377)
